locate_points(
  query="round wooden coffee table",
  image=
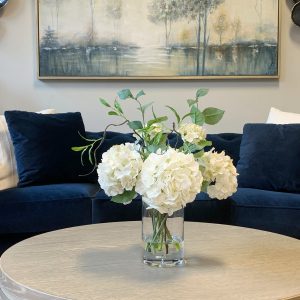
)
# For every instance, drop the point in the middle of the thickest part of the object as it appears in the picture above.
(104, 261)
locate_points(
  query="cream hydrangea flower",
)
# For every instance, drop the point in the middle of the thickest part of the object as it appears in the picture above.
(169, 181)
(119, 169)
(219, 170)
(192, 133)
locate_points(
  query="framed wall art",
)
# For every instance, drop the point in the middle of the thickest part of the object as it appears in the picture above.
(158, 39)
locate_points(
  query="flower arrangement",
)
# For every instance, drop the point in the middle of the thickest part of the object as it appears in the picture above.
(167, 178)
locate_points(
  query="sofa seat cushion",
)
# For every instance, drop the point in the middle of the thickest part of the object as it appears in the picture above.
(203, 209)
(267, 210)
(47, 207)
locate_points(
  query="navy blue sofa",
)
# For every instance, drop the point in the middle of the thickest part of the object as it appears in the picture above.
(32, 210)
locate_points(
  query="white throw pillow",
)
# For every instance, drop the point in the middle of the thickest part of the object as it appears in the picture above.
(8, 167)
(277, 116)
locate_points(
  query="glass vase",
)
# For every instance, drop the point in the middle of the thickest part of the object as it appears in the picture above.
(163, 237)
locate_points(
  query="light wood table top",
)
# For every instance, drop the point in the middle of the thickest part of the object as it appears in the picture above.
(104, 261)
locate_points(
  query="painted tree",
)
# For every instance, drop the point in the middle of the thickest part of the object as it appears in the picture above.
(166, 12)
(57, 8)
(91, 35)
(258, 7)
(49, 39)
(199, 11)
(236, 26)
(221, 26)
(114, 11)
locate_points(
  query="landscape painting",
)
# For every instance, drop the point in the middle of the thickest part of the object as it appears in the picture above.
(158, 39)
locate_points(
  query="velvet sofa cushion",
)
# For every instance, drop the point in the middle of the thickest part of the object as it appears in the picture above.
(203, 209)
(46, 207)
(266, 210)
(270, 157)
(42, 146)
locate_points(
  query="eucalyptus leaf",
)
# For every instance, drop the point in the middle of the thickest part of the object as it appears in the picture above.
(187, 115)
(90, 155)
(135, 125)
(118, 107)
(199, 154)
(175, 113)
(144, 107)
(139, 94)
(191, 102)
(213, 115)
(152, 148)
(125, 94)
(157, 139)
(113, 113)
(78, 149)
(104, 102)
(81, 156)
(201, 93)
(153, 113)
(157, 120)
(197, 116)
(124, 198)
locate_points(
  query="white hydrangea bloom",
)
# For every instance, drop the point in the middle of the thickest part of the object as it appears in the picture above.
(169, 181)
(219, 170)
(192, 133)
(119, 169)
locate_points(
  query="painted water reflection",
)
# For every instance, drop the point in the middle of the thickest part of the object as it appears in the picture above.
(114, 61)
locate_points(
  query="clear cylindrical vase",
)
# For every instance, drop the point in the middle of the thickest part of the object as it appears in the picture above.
(163, 237)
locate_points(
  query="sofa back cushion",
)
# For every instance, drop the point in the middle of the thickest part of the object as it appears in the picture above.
(228, 142)
(270, 157)
(42, 146)
(8, 166)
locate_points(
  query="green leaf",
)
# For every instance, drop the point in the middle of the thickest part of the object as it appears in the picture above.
(113, 113)
(135, 125)
(139, 94)
(213, 115)
(81, 156)
(204, 144)
(157, 120)
(104, 102)
(191, 102)
(118, 107)
(157, 138)
(124, 198)
(175, 113)
(187, 115)
(196, 148)
(153, 113)
(144, 107)
(152, 148)
(198, 154)
(197, 116)
(77, 149)
(125, 94)
(90, 155)
(201, 93)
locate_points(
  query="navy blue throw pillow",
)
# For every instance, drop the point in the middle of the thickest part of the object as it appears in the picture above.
(270, 157)
(42, 146)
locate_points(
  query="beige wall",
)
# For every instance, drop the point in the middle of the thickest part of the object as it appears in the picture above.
(244, 101)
